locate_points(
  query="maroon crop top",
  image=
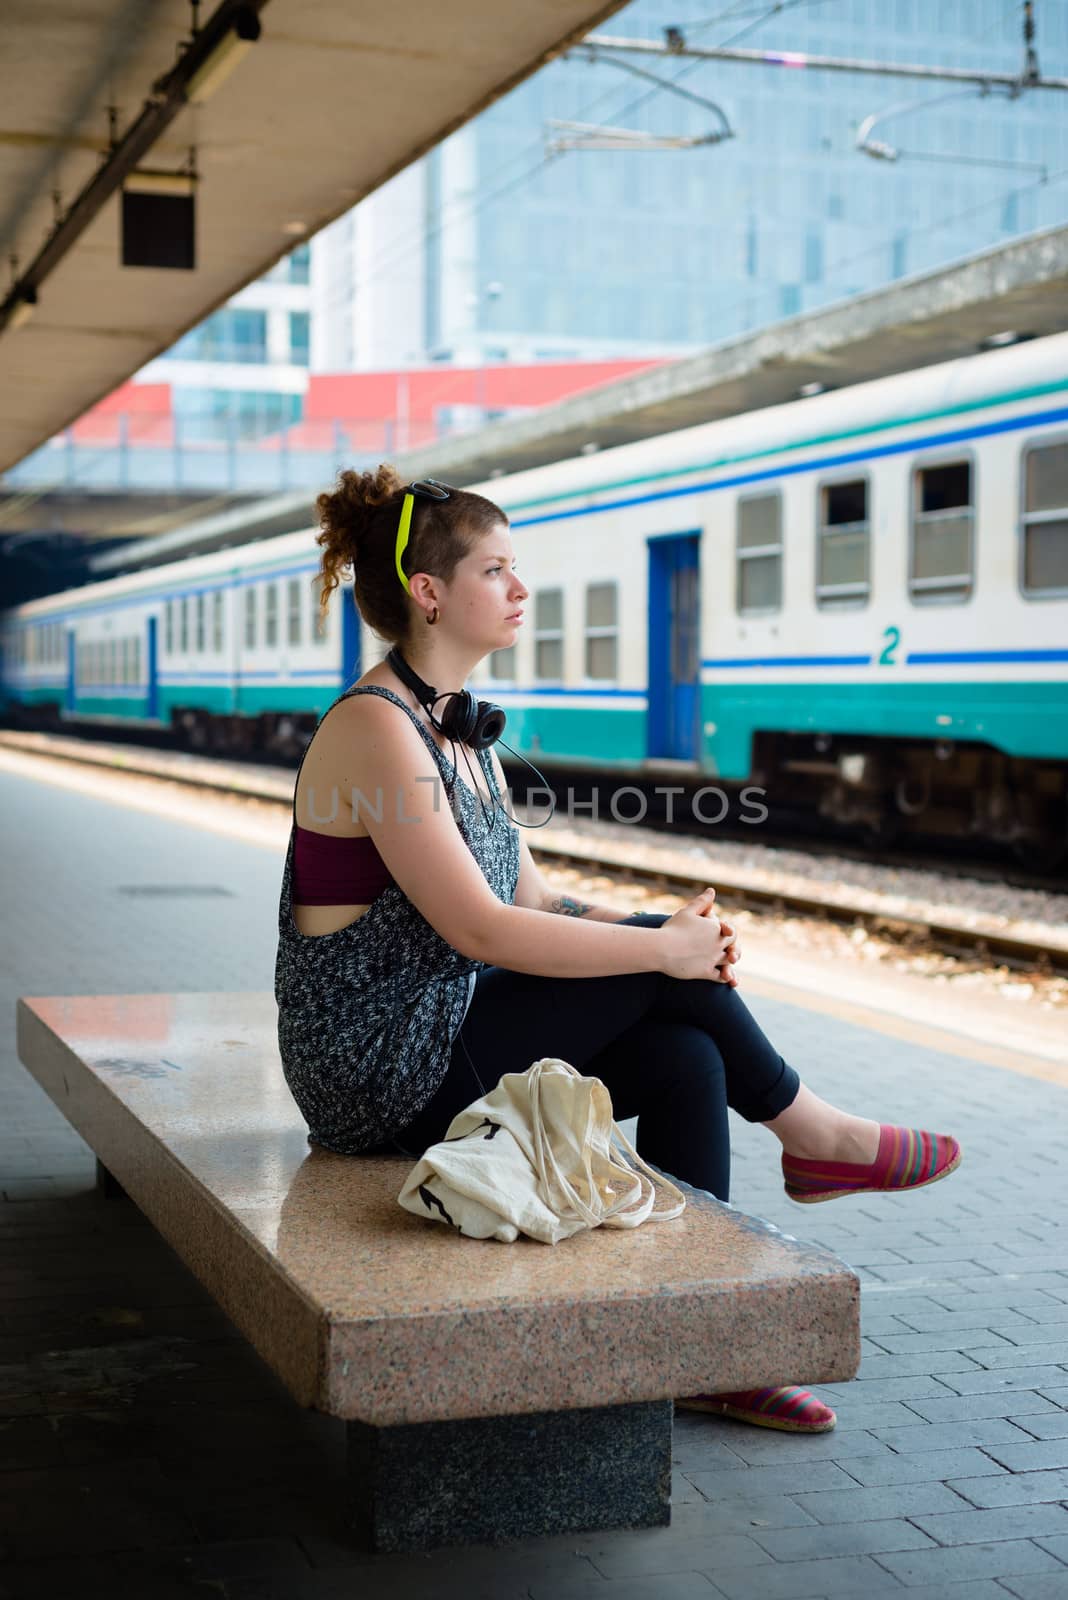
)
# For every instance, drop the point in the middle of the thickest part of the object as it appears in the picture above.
(330, 871)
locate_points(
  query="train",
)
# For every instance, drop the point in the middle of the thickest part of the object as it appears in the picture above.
(856, 600)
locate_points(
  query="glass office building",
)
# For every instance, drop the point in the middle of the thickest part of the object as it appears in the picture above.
(606, 252)
(487, 250)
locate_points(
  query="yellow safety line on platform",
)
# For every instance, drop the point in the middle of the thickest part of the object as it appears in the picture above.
(930, 1038)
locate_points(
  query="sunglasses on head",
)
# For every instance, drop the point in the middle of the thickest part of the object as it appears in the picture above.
(429, 489)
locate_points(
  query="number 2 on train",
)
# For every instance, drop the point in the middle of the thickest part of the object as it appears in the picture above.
(893, 639)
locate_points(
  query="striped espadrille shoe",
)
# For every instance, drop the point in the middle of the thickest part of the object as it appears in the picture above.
(907, 1159)
(788, 1408)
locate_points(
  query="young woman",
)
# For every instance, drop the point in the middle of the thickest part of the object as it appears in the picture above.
(422, 954)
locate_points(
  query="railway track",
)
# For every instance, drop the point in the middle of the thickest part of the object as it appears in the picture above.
(955, 931)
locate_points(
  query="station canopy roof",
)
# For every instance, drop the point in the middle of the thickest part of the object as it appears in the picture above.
(332, 100)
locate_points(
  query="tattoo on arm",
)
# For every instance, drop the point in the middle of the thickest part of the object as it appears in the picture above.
(569, 908)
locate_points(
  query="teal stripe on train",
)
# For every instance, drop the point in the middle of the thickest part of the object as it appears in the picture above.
(1024, 719)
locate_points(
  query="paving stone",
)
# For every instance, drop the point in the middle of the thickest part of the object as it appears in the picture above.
(988, 1382)
(890, 1500)
(184, 1442)
(934, 1364)
(1053, 1586)
(920, 1386)
(922, 1467)
(241, 1558)
(1021, 1403)
(758, 1446)
(652, 1556)
(790, 1477)
(965, 1339)
(843, 1539)
(984, 1431)
(1057, 1544)
(1009, 1355)
(961, 1563)
(742, 1515)
(1010, 1522)
(849, 1576)
(674, 1586)
(1013, 1488)
(1031, 1457)
(1025, 1334)
(970, 1589)
(978, 1316)
(1052, 1426)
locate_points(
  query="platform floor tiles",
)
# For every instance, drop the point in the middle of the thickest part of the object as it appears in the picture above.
(145, 1451)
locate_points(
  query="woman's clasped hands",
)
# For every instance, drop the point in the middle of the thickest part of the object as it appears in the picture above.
(700, 944)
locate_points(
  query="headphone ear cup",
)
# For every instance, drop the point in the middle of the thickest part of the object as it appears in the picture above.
(460, 716)
(489, 725)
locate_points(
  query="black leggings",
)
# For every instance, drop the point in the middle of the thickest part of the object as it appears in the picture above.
(675, 1053)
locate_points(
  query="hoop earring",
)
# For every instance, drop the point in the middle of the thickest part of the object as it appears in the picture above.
(432, 616)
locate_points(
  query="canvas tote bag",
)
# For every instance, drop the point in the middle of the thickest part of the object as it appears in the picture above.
(539, 1155)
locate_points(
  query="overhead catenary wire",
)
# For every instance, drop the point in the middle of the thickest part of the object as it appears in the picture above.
(481, 201)
(414, 242)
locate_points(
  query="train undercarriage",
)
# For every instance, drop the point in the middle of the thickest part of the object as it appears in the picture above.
(889, 789)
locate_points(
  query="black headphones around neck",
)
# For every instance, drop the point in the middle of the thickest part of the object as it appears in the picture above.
(476, 723)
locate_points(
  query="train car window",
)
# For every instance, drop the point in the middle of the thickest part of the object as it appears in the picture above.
(319, 628)
(110, 669)
(941, 558)
(250, 619)
(602, 631)
(1045, 520)
(758, 553)
(549, 635)
(217, 636)
(502, 665)
(183, 623)
(843, 558)
(135, 664)
(202, 637)
(293, 609)
(270, 615)
(168, 627)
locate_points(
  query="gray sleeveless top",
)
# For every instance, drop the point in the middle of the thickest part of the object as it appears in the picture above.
(367, 1015)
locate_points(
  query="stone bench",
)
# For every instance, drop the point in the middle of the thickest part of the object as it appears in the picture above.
(490, 1391)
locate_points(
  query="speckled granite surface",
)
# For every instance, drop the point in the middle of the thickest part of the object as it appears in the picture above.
(502, 1478)
(372, 1314)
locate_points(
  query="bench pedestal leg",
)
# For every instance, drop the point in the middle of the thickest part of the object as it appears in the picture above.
(106, 1185)
(485, 1480)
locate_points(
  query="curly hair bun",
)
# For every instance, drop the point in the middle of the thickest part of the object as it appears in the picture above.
(343, 514)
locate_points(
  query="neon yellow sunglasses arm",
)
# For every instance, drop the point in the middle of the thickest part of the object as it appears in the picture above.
(403, 531)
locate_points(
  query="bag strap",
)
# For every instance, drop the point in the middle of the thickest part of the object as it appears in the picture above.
(544, 1156)
(545, 1160)
(657, 1179)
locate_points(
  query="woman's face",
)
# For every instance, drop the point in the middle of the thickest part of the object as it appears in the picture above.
(486, 596)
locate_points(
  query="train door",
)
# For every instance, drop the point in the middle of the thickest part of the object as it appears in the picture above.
(152, 668)
(674, 635)
(72, 670)
(350, 639)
